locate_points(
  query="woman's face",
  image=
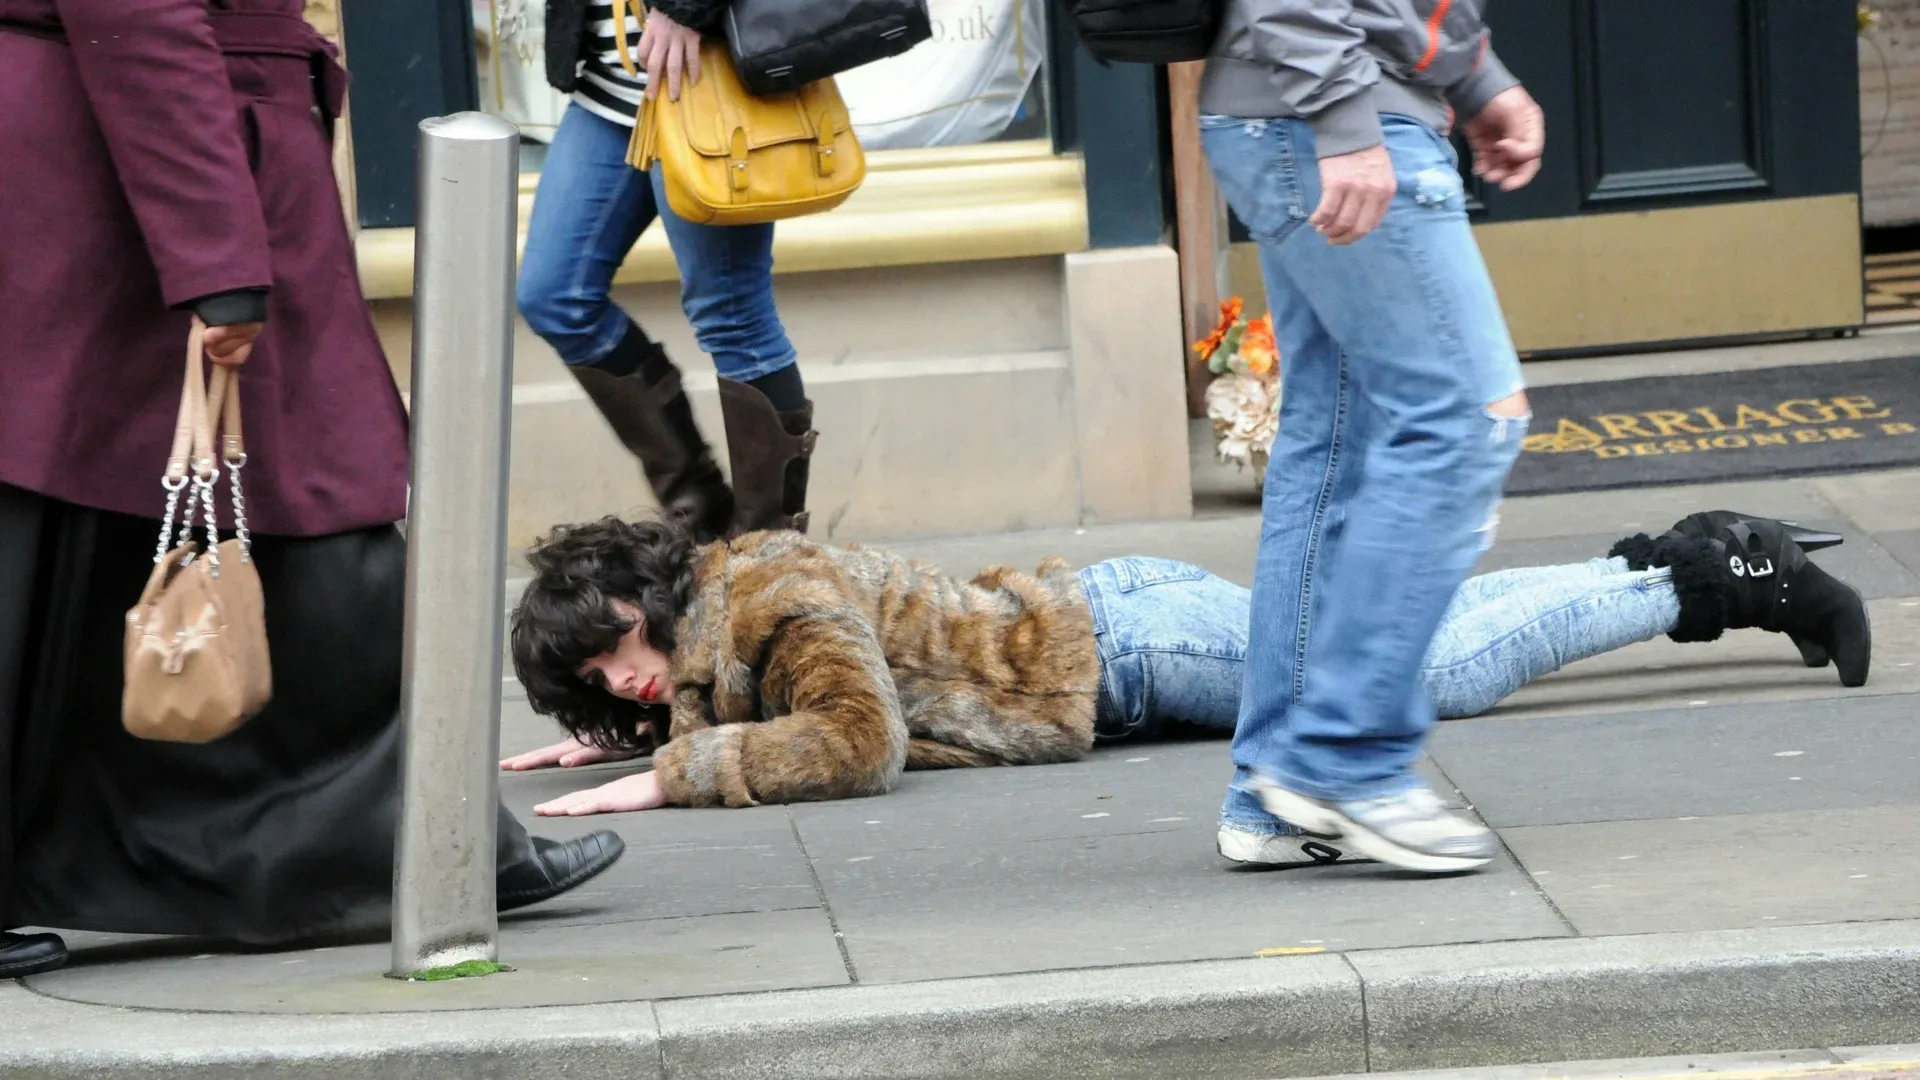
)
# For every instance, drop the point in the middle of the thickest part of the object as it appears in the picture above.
(632, 669)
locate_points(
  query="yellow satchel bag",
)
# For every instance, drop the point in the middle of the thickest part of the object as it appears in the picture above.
(729, 158)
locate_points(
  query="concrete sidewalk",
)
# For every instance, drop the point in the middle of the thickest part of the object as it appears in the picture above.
(1708, 848)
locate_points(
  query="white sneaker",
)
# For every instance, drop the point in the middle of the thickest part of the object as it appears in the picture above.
(1269, 849)
(1411, 829)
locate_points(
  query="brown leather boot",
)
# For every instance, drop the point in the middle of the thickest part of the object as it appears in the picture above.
(769, 451)
(654, 420)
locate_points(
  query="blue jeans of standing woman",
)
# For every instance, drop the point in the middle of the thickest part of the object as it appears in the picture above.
(1173, 638)
(1385, 477)
(590, 210)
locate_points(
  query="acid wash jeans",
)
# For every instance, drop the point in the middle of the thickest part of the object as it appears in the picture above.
(1172, 637)
(1383, 483)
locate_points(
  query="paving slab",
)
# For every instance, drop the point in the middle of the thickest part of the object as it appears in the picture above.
(1712, 873)
(1290, 1016)
(680, 863)
(1743, 666)
(553, 965)
(1023, 887)
(1640, 996)
(1903, 545)
(1882, 501)
(1122, 790)
(1739, 759)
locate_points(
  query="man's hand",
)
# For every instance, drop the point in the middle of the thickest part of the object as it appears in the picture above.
(567, 753)
(1355, 191)
(1508, 138)
(671, 52)
(641, 791)
(231, 345)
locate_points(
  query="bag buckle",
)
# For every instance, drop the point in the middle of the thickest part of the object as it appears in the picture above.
(823, 146)
(738, 171)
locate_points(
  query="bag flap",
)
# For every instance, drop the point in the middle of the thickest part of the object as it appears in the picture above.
(713, 108)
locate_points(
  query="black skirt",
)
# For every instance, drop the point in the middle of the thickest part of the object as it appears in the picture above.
(283, 830)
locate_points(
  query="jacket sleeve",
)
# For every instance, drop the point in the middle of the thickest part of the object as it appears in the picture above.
(1320, 71)
(1488, 79)
(842, 735)
(701, 15)
(158, 86)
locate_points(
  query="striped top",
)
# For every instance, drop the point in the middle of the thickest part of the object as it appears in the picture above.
(605, 89)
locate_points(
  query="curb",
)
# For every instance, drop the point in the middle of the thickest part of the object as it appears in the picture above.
(1419, 1008)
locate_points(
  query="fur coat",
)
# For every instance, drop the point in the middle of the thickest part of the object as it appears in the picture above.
(805, 672)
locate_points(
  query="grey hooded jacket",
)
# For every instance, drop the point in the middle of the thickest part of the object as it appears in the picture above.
(1339, 64)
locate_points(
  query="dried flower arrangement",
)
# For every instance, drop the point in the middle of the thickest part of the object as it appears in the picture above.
(1243, 400)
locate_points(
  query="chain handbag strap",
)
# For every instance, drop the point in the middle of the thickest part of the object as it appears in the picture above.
(224, 404)
(194, 459)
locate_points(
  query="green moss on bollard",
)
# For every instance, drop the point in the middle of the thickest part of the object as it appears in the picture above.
(471, 969)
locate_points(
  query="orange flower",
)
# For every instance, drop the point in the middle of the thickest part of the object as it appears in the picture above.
(1230, 311)
(1257, 348)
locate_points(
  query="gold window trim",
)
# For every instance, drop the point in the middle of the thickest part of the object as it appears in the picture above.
(938, 205)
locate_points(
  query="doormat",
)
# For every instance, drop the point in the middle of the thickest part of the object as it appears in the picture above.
(1734, 425)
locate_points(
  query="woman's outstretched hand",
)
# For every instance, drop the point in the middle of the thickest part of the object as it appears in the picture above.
(567, 753)
(641, 791)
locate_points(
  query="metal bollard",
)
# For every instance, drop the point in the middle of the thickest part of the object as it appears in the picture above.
(443, 874)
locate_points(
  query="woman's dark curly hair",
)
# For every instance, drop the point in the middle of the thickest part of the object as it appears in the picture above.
(566, 617)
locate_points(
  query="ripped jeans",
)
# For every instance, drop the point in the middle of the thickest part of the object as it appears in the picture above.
(1384, 481)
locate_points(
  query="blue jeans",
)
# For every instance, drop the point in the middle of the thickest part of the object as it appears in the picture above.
(1384, 480)
(591, 208)
(1173, 638)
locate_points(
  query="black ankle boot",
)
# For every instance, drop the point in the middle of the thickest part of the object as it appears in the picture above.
(770, 453)
(1708, 523)
(649, 412)
(22, 955)
(1750, 573)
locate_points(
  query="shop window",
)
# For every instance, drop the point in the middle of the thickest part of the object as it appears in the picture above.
(979, 79)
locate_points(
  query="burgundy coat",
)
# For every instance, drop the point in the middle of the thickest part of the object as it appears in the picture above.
(156, 152)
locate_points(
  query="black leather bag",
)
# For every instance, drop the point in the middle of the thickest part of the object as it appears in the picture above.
(778, 46)
(1146, 31)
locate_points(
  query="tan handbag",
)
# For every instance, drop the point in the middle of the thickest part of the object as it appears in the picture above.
(729, 158)
(196, 645)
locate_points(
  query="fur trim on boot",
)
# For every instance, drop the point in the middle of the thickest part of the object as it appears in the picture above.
(1638, 550)
(1700, 580)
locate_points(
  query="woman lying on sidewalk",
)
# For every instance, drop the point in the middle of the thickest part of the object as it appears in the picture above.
(773, 669)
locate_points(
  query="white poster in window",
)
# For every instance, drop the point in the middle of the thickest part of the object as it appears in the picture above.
(964, 85)
(510, 46)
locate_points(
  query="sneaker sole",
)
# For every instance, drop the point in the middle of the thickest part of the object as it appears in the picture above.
(1335, 855)
(1318, 818)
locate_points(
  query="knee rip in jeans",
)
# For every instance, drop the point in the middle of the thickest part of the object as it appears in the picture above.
(1509, 416)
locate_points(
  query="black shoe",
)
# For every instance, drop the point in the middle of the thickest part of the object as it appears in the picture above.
(556, 867)
(1708, 524)
(30, 954)
(1750, 573)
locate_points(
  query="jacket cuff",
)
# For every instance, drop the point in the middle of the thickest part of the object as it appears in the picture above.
(1348, 125)
(231, 307)
(704, 769)
(701, 15)
(1471, 94)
